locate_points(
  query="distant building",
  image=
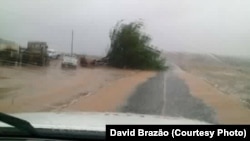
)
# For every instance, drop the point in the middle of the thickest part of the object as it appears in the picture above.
(4, 46)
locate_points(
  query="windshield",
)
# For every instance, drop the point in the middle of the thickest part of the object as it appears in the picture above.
(178, 59)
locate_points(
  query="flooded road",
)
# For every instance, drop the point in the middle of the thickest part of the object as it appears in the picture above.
(30, 89)
(173, 93)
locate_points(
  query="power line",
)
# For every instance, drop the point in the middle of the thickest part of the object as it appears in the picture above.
(72, 43)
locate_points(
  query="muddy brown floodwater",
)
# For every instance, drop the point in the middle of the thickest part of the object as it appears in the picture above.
(33, 89)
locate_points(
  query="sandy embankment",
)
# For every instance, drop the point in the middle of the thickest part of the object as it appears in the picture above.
(228, 108)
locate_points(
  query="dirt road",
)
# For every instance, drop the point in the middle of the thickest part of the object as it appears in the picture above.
(31, 89)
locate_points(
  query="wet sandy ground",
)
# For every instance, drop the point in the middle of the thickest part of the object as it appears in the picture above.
(33, 89)
(229, 108)
(222, 83)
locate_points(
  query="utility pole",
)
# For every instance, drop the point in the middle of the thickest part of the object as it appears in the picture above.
(72, 43)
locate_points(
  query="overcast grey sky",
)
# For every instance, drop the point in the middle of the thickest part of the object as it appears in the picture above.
(207, 26)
